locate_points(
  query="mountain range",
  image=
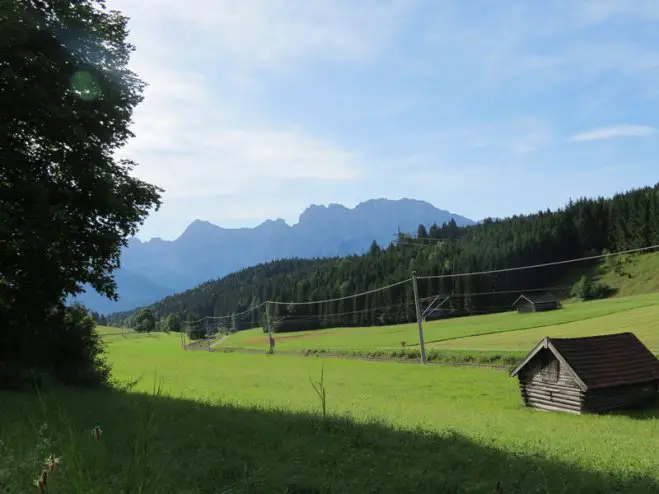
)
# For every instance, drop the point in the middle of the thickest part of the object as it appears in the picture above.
(156, 268)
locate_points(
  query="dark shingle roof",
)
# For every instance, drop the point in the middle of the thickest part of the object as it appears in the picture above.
(538, 298)
(609, 360)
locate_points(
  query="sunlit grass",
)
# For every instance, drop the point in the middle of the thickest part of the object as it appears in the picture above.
(509, 331)
(224, 422)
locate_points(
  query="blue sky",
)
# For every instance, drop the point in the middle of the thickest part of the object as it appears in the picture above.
(257, 108)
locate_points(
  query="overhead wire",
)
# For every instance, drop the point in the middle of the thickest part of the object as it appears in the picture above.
(435, 277)
(534, 266)
(402, 305)
(501, 292)
(227, 316)
(339, 299)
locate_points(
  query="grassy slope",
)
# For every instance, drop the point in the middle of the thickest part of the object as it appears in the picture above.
(628, 275)
(643, 321)
(637, 274)
(637, 313)
(204, 433)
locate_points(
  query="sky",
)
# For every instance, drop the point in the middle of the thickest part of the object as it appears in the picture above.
(256, 109)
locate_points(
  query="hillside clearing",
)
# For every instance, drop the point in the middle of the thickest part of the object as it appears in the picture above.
(506, 331)
(642, 321)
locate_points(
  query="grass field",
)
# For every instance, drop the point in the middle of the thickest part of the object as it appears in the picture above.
(195, 422)
(634, 308)
(499, 332)
(630, 275)
(251, 423)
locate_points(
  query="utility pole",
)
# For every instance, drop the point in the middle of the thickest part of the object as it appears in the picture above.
(268, 324)
(419, 318)
(208, 334)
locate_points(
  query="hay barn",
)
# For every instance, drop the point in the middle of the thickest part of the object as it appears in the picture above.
(536, 302)
(592, 374)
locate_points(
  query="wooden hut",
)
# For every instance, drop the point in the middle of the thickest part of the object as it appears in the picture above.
(536, 302)
(593, 374)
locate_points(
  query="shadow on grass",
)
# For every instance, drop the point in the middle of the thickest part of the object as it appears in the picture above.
(648, 410)
(155, 444)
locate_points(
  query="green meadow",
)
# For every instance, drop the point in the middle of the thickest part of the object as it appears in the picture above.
(498, 332)
(233, 422)
(207, 422)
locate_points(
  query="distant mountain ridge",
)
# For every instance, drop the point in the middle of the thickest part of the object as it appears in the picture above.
(155, 268)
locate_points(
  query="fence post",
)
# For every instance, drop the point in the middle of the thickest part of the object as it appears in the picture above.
(419, 318)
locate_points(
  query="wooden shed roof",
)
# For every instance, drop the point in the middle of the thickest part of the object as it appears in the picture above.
(602, 361)
(538, 298)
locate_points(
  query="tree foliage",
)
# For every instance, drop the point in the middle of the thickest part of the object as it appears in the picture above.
(588, 288)
(67, 204)
(582, 228)
(145, 321)
(171, 323)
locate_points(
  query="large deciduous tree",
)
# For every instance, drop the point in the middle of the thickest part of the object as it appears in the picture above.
(172, 323)
(145, 322)
(67, 203)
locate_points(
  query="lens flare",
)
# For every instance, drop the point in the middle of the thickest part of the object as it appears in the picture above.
(84, 86)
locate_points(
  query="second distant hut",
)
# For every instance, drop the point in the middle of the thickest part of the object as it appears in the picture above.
(536, 302)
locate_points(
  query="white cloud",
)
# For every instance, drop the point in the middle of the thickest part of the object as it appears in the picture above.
(212, 132)
(536, 45)
(613, 132)
(192, 147)
(192, 138)
(516, 136)
(270, 32)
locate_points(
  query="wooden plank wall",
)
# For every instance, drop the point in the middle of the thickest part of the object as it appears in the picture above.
(540, 390)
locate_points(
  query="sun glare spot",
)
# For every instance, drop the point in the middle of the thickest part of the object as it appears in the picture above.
(84, 86)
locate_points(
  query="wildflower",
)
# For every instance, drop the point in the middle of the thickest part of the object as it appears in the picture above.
(42, 481)
(51, 462)
(97, 432)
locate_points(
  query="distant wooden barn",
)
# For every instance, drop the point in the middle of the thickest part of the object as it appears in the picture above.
(593, 374)
(536, 302)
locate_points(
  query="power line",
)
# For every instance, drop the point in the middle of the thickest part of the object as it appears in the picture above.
(425, 242)
(502, 292)
(555, 263)
(369, 292)
(480, 309)
(402, 305)
(228, 316)
(332, 316)
(456, 275)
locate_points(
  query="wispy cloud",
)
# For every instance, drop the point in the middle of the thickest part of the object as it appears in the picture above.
(256, 108)
(197, 132)
(193, 145)
(272, 32)
(613, 132)
(544, 44)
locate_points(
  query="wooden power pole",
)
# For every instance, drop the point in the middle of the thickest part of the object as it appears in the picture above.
(419, 317)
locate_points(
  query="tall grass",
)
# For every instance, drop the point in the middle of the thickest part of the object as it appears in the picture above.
(47, 448)
(154, 443)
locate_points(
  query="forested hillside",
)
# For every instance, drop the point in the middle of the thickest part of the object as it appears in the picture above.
(582, 228)
(157, 268)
